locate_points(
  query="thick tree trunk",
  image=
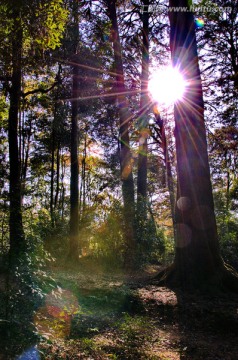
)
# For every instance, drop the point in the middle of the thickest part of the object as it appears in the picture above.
(197, 247)
(126, 160)
(197, 257)
(17, 240)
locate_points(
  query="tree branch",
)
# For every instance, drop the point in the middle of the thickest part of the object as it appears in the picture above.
(40, 90)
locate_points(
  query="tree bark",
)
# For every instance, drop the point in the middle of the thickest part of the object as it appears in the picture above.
(126, 160)
(196, 240)
(17, 239)
(167, 163)
(57, 176)
(142, 206)
(143, 117)
(74, 166)
(52, 174)
(74, 179)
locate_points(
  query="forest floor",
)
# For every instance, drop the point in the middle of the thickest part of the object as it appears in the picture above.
(96, 314)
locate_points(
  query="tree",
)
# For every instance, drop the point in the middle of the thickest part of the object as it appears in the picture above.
(197, 256)
(143, 117)
(74, 178)
(126, 160)
(219, 66)
(23, 32)
(143, 229)
(17, 240)
(160, 138)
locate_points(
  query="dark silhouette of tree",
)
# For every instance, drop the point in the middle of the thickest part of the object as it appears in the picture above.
(160, 138)
(198, 262)
(17, 239)
(126, 160)
(19, 17)
(74, 165)
(143, 118)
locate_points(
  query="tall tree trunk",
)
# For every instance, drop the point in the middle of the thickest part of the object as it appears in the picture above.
(17, 240)
(74, 179)
(62, 190)
(197, 242)
(141, 213)
(126, 160)
(143, 119)
(74, 165)
(167, 163)
(197, 257)
(52, 175)
(57, 175)
(25, 159)
(82, 194)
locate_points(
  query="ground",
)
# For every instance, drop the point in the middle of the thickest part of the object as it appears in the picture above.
(89, 312)
(94, 314)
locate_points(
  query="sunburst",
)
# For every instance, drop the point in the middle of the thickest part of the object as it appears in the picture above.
(166, 86)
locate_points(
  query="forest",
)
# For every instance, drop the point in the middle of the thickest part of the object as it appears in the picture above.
(118, 179)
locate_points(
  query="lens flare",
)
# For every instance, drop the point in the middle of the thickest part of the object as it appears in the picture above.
(199, 22)
(167, 85)
(53, 321)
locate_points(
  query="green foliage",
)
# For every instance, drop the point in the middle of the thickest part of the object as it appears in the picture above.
(150, 237)
(134, 330)
(228, 235)
(54, 19)
(54, 239)
(107, 242)
(3, 114)
(227, 225)
(87, 345)
(42, 23)
(26, 286)
(234, 193)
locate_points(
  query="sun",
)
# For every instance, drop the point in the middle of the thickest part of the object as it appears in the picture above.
(167, 85)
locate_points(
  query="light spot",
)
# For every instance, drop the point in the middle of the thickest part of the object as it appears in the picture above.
(53, 321)
(63, 300)
(29, 354)
(127, 169)
(141, 141)
(51, 327)
(184, 235)
(105, 37)
(184, 203)
(199, 22)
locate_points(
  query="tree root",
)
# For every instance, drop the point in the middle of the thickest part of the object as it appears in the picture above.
(223, 279)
